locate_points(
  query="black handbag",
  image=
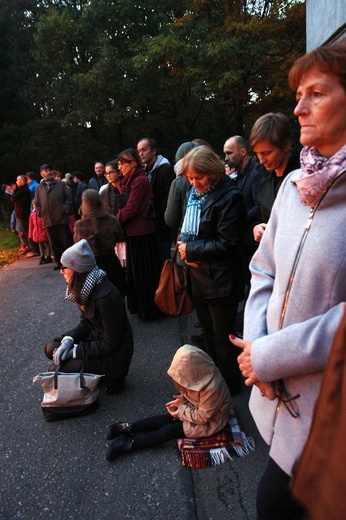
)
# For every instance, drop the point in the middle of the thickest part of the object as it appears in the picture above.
(172, 296)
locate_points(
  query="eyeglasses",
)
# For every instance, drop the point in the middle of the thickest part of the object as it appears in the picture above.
(111, 172)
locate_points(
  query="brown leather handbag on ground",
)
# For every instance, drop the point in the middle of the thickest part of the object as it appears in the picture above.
(172, 296)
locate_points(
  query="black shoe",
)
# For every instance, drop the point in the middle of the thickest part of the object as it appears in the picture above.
(116, 386)
(117, 429)
(198, 339)
(121, 445)
(41, 262)
(48, 260)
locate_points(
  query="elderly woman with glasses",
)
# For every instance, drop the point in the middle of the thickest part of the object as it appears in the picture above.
(138, 220)
(298, 286)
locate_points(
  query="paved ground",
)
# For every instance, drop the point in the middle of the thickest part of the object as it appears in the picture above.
(57, 470)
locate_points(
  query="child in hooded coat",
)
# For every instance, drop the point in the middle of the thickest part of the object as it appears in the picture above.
(37, 233)
(201, 409)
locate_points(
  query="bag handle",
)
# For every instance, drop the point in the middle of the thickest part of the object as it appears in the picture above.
(175, 252)
(81, 375)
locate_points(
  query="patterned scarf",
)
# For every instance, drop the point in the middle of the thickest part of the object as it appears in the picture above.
(318, 174)
(207, 452)
(189, 229)
(94, 278)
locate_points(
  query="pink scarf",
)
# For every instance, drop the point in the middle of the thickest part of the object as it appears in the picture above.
(318, 173)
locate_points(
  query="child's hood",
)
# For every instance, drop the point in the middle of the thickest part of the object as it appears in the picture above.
(192, 368)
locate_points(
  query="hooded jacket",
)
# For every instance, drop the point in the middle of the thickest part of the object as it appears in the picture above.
(208, 401)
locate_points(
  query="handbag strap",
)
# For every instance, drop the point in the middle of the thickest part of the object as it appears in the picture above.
(81, 375)
(175, 252)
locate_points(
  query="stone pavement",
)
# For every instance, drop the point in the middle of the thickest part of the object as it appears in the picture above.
(58, 470)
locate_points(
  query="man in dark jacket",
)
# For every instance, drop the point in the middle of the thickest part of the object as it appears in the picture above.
(247, 177)
(54, 205)
(21, 199)
(99, 178)
(78, 179)
(161, 174)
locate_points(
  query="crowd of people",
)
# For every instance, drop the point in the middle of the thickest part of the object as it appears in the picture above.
(262, 230)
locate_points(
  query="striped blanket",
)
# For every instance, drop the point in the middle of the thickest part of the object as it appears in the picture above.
(207, 452)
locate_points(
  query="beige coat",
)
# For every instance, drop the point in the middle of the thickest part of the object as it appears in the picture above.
(208, 401)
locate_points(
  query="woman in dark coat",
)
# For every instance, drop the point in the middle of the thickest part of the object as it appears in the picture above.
(210, 243)
(103, 232)
(271, 140)
(103, 335)
(137, 219)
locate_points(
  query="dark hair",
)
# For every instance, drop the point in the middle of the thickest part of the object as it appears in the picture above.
(30, 175)
(204, 161)
(129, 155)
(329, 59)
(151, 142)
(184, 148)
(79, 175)
(240, 141)
(76, 284)
(274, 127)
(113, 164)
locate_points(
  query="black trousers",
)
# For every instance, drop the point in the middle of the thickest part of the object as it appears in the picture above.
(274, 498)
(217, 322)
(60, 239)
(156, 431)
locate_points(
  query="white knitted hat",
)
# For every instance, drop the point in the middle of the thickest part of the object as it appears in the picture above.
(79, 257)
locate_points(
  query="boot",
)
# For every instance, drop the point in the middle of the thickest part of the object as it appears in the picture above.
(48, 260)
(119, 428)
(121, 445)
(41, 262)
(116, 386)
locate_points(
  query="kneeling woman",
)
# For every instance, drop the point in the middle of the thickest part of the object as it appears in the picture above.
(201, 409)
(103, 335)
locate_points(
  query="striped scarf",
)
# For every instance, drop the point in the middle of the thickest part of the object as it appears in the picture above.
(189, 229)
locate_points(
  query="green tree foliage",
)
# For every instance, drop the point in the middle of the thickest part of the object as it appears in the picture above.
(86, 79)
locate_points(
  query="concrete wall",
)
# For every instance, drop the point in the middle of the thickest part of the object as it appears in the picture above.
(325, 22)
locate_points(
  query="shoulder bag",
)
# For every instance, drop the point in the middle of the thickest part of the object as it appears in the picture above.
(68, 395)
(172, 296)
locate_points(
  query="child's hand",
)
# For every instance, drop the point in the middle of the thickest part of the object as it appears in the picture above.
(172, 406)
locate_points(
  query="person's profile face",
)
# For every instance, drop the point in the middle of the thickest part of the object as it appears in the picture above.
(145, 152)
(321, 111)
(67, 273)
